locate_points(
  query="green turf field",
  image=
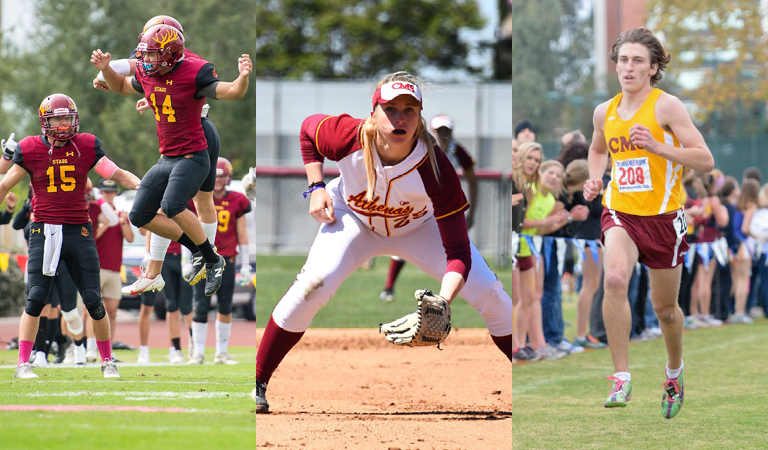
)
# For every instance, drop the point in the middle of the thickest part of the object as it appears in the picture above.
(216, 401)
(356, 304)
(559, 404)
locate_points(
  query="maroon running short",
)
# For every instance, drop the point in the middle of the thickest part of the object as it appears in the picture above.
(660, 239)
(526, 262)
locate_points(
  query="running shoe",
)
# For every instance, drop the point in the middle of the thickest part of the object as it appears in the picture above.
(387, 295)
(24, 370)
(621, 393)
(672, 400)
(567, 347)
(108, 369)
(143, 284)
(588, 342)
(223, 358)
(143, 357)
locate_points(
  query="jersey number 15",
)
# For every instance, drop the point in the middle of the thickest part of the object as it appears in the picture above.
(67, 183)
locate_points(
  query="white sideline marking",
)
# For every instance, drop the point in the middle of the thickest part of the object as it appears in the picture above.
(143, 395)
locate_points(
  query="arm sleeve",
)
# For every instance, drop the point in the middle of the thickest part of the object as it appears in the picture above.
(18, 155)
(465, 160)
(99, 150)
(137, 85)
(245, 207)
(22, 217)
(206, 81)
(448, 201)
(5, 217)
(332, 137)
(453, 232)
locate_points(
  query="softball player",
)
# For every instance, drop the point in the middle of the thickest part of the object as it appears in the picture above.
(398, 194)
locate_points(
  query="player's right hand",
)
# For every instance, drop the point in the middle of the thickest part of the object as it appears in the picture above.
(100, 60)
(321, 206)
(9, 146)
(11, 200)
(100, 85)
(143, 105)
(592, 188)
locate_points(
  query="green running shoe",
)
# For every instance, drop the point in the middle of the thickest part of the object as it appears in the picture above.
(621, 393)
(672, 400)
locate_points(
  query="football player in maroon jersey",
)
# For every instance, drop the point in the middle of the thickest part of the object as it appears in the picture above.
(58, 163)
(204, 198)
(176, 88)
(232, 236)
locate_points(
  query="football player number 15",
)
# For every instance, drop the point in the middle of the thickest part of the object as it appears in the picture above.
(67, 183)
(167, 108)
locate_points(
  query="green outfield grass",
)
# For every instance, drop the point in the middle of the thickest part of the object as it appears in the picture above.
(356, 304)
(218, 409)
(559, 404)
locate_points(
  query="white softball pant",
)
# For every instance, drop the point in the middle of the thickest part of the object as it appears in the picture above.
(342, 247)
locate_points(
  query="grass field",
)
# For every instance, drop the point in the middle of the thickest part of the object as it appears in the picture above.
(356, 303)
(559, 404)
(205, 406)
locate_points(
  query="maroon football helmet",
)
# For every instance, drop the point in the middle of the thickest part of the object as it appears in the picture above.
(166, 40)
(223, 174)
(161, 20)
(59, 105)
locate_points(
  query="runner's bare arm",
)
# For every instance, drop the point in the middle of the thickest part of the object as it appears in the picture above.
(672, 115)
(598, 154)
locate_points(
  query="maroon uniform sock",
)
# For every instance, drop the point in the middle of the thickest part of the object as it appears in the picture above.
(395, 266)
(505, 345)
(275, 344)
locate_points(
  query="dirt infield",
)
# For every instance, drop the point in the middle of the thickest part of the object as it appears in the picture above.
(349, 389)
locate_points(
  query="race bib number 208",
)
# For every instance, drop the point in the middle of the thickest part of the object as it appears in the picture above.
(633, 175)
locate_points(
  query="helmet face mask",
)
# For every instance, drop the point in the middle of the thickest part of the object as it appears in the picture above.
(59, 106)
(223, 174)
(167, 42)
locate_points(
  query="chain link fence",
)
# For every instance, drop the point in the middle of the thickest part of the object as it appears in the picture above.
(284, 226)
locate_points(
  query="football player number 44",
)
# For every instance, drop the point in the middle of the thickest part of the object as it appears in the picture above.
(167, 108)
(67, 183)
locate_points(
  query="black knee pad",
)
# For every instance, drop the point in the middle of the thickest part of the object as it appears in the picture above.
(225, 308)
(173, 207)
(199, 318)
(171, 305)
(97, 312)
(38, 294)
(138, 218)
(185, 308)
(34, 307)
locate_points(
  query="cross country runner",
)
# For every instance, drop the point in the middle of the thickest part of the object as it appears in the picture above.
(651, 137)
(398, 194)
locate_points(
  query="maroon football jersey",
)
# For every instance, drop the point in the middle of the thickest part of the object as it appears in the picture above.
(59, 178)
(110, 244)
(177, 111)
(228, 209)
